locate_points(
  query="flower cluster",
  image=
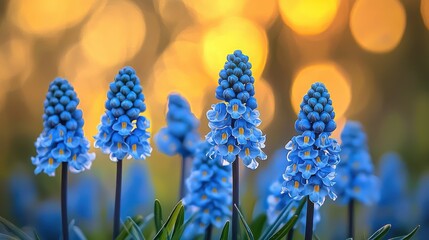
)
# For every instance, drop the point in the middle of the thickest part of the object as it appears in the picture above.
(278, 200)
(313, 154)
(209, 192)
(62, 139)
(180, 136)
(355, 178)
(122, 131)
(234, 122)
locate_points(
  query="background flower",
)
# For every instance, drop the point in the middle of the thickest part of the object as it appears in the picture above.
(62, 138)
(355, 178)
(209, 193)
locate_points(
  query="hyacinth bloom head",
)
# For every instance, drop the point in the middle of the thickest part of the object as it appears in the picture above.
(277, 201)
(62, 139)
(394, 202)
(313, 154)
(122, 131)
(209, 192)
(234, 121)
(180, 136)
(355, 173)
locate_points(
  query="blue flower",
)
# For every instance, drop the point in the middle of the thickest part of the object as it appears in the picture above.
(277, 200)
(180, 136)
(313, 155)
(62, 136)
(22, 196)
(236, 120)
(122, 131)
(209, 192)
(423, 205)
(138, 192)
(393, 194)
(355, 178)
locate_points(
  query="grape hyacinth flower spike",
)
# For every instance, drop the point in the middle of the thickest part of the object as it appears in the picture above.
(313, 154)
(355, 178)
(122, 132)
(209, 193)
(62, 140)
(180, 136)
(234, 122)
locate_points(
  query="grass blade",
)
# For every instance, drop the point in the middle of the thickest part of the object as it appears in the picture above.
(7, 237)
(246, 226)
(380, 232)
(158, 215)
(408, 236)
(277, 222)
(135, 230)
(167, 227)
(285, 229)
(14, 230)
(225, 230)
(179, 222)
(257, 225)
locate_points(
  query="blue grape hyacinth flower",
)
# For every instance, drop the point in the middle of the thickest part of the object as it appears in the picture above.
(234, 121)
(122, 131)
(277, 200)
(180, 136)
(394, 204)
(355, 178)
(313, 154)
(62, 138)
(209, 192)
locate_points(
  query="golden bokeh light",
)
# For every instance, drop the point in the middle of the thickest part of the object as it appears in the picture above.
(424, 9)
(179, 70)
(266, 101)
(114, 35)
(232, 34)
(378, 26)
(332, 76)
(308, 17)
(209, 10)
(47, 16)
(262, 12)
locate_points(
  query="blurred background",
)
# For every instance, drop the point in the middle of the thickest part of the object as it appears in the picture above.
(373, 57)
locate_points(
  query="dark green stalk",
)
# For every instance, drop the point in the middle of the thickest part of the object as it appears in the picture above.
(351, 218)
(117, 213)
(235, 198)
(182, 178)
(309, 220)
(208, 234)
(64, 221)
(290, 235)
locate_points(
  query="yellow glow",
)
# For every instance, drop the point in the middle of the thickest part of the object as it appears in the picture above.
(308, 17)
(178, 70)
(114, 35)
(207, 10)
(266, 101)
(232, 34)
(47, 16)
(334, 79)
(424, 9)
(378, 26)
(262, 12)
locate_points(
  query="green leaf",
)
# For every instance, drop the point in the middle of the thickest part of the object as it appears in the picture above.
(285, 229)
(158, 215)
(408, 236)
(225, 231)
(14, 230)
(135, 230)
(257, 225)
(380, 232)
(280, 219)
(246, 226)
(178, 234)
(290, 223)
(169, 224)
(125, 230)
(179, 222)
(7, 237)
